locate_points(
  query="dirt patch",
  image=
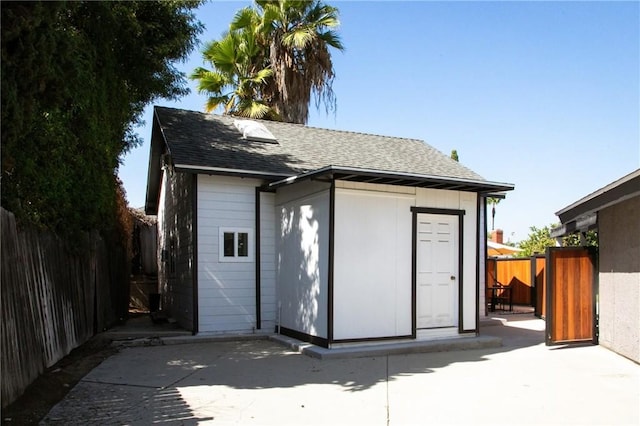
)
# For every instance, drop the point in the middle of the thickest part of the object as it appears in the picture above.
(54, 384)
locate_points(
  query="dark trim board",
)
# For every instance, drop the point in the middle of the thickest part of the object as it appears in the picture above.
(320, 341)
(479, 235)
(332, 229)
(414, 263)
(460, 276)
(194, 233)
(431, 210)
(258, 262)
(414, 274)
(373, 339)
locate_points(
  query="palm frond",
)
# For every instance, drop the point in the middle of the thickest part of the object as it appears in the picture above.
(252, 109)
(244, 18)
(214, 102)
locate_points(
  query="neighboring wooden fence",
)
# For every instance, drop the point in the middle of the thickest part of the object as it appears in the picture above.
(515, 273)
(53, 299)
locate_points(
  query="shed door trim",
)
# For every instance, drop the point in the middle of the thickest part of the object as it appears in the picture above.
(414, 261)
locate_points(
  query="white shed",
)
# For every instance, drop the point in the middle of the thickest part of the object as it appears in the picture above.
(326, 236)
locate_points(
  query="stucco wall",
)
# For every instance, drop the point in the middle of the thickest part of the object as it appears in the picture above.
(619, 279)
(175, 246)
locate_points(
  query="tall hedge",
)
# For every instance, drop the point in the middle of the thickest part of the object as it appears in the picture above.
(75, 79)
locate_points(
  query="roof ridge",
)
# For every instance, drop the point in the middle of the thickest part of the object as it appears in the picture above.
(284, 123)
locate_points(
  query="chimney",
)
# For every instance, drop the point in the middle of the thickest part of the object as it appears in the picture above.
(496, 236)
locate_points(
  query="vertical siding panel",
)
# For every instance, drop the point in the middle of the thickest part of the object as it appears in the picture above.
(268, 261)
(225, 202)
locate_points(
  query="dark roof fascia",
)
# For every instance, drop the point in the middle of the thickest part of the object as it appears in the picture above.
(623, 189)
(396, 178)
(158, 147)
(583, 224)
(221, 171)
(497, 195)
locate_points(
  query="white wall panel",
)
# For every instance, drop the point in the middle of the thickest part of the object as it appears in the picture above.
(268, 261)
(226, 290)
(302, 238)
(372, 269)
(468, 203)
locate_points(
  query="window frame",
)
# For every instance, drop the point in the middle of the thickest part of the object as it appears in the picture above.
(235, 258)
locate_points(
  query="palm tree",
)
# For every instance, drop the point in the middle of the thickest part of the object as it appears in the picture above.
(276, 54)
(238, 78)
(300, 35)
(493, 201)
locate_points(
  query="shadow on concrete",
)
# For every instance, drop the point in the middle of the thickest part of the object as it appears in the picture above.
(256, 364)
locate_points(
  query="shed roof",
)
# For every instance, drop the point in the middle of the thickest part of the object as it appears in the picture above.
(206, 143)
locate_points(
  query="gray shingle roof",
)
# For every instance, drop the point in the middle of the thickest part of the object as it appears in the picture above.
(211, 141)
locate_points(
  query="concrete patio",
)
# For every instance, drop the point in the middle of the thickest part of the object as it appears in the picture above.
(263, 382)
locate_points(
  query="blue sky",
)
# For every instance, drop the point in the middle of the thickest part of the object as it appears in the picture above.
(544, 95)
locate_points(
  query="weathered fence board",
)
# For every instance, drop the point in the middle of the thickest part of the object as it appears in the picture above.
(53, 299)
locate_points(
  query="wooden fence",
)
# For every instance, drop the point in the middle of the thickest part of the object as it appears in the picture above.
(54, 298)
(571, 295)
(538, 277)
(526, 277)
(515, 273)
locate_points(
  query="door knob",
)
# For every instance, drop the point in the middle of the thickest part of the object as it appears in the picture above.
(452, 278)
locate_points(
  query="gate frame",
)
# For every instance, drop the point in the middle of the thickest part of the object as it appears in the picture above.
(549, 285)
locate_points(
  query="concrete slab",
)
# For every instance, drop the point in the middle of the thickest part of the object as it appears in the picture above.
(395, 348)
(264, 382)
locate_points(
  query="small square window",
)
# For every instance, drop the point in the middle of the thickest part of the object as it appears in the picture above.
(243, 244)
(229, 244)
(236, 245)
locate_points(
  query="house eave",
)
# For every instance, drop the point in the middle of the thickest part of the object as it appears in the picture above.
(616, 192)
(187, 168)
(396, 178)
(582, 215)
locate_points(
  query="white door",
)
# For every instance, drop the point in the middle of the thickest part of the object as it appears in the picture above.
(437, 271)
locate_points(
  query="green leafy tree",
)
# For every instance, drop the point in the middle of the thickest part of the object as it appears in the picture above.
(295, 39)
(537, 242)
(539, 239)
(75, 79)
(590, 240)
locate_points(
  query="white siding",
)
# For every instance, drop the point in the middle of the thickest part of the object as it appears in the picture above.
(268, 261)
(482, 257)
(303, 257)
(468, 203)
(372, 270)
(226, 290)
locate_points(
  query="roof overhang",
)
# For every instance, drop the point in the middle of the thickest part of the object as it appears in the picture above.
(157, 149)
(583, 214)
(186, 168)
(396, 178)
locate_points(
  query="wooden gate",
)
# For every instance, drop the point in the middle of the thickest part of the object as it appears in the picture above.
(537, 281)
(571, 289)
